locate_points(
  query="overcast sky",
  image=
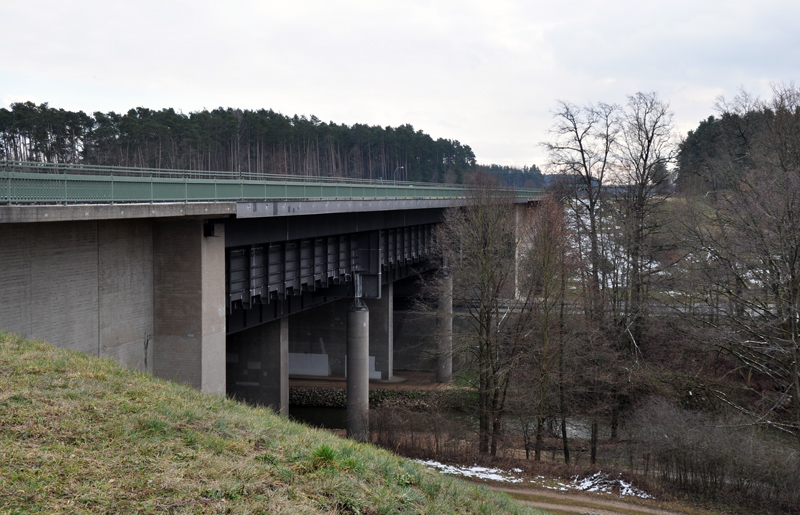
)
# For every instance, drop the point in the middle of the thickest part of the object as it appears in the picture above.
(487, 73)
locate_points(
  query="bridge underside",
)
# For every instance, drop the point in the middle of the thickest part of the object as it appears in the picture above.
(276, 267)
(273, 282)
(268, 281)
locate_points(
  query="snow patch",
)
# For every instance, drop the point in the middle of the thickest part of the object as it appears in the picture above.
(602, 483)
(475, 471)
(598, 482)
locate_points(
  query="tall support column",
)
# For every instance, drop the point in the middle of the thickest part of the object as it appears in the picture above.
(358, 371)
(189, 304)
(444, 367)
(381, 331)
(284, 364)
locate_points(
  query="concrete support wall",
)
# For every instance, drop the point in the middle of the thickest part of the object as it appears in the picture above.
(126, 296)
(257, 368)
(83, 285)
(189, 304)
(147, 293)
(381, 331)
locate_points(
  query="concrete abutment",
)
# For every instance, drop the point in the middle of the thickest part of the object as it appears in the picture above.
(148, 293)
(83, 285)
(189, 304)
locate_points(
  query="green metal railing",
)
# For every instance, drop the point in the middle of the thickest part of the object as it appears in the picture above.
(48, 183)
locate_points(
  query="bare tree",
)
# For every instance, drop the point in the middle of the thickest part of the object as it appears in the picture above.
(615, 163)
(479, 244)
(647, 147)
(582, 152)
(544, 265)
(750, 242)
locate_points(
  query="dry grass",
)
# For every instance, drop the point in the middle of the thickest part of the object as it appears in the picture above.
(83, 435)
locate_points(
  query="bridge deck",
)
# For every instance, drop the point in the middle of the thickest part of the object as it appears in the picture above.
(24, 183)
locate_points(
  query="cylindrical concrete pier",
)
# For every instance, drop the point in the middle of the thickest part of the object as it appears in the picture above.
(444, 367)
(358, 371)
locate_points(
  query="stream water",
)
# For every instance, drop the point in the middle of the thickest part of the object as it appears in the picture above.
(336, 418)
(325, 418)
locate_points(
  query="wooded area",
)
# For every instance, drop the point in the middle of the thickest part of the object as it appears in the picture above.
(257, 142)
(655, 296)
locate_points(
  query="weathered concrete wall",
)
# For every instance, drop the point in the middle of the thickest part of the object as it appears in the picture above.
(149, 294)
(189, 304)
(125, 292)
(86, 286)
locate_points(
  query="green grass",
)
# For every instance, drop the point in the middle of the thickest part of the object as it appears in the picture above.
(84, 435)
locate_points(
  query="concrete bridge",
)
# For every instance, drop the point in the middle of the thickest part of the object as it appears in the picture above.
(225, 282)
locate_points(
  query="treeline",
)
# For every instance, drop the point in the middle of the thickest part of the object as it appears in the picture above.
(253, 142)
(666, 320)
(723, 149)
(514, 177)
(689, 296)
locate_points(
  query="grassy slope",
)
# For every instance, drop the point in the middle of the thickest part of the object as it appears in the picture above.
(84, 435)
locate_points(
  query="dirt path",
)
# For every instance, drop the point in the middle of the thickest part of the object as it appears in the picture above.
(562, 502)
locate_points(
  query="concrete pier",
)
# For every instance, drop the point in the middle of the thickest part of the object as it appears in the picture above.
(189, 304)
(358, 371)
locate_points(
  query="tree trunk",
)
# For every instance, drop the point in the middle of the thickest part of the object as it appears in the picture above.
(537, 455)
(615, 416)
